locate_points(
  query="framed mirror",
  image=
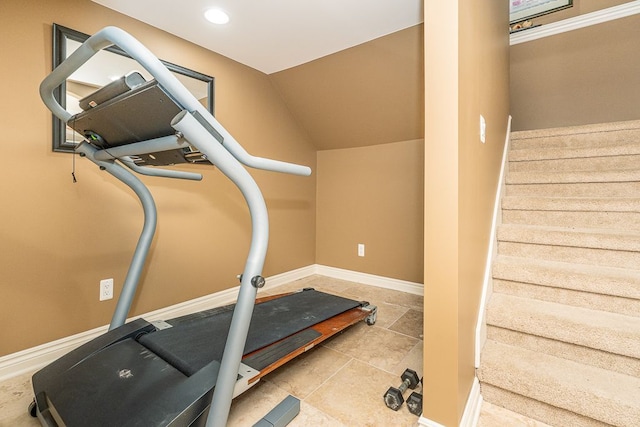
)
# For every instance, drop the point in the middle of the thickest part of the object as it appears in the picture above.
(104, 67)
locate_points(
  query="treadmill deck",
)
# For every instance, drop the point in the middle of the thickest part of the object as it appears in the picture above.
(121, 378)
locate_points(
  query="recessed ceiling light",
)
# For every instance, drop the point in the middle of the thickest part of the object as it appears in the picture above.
(216, 16)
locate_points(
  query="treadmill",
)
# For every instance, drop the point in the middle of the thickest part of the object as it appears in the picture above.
(183, 371)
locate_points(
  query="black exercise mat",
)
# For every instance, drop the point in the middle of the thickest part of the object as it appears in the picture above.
(195, 340)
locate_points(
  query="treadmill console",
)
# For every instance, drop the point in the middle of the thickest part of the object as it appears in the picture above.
(131, 110)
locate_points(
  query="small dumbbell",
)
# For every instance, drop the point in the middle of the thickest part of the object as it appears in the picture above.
(414, 403)
(393, 397)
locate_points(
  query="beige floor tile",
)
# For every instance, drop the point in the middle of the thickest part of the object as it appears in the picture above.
(336, 286)
(306, 373)
(377, 346)
(311, 416)
(388, 314)
(296, 285)
(15, 396)
(252, 405)
(413, 360)
(377, 296)
(410, 324)
(320, 283)
(355, 398)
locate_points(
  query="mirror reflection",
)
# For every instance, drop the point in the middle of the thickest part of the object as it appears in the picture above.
(106, 66)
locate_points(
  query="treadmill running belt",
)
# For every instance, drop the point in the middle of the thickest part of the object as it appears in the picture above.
(198, 339)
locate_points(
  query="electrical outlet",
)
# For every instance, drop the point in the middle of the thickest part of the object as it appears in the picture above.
(106, 289)
(360, 249)
(483, 129)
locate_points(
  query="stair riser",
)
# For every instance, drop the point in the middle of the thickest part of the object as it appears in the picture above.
(612, 304)
(629, 162)
(535, 409)
(585, 204)
(568, 177)
(542, 153)
(608, 189)
(597, 239)
(612, 220)
(576, 140)
(602, 257)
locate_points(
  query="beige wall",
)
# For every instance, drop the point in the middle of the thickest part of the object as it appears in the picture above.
(583, 76)
(466, 74)
(372, 195)
(59, 239)
(369, 94)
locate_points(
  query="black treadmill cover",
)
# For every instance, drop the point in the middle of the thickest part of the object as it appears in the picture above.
(142, 113)
(196, 340)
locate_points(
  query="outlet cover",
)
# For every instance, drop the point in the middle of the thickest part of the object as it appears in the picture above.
(106, 289)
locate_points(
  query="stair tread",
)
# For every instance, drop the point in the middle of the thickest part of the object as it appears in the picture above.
(612, 149)
(596, 238)
(594, 392)
(576, 130)
(620, 282)
(602, 330)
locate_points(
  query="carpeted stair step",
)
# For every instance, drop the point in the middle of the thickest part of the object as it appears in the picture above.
(578, 137)
(534, 409)
(625, 189)
(536, 161)
(602, 288)
(580, 212)
(609, 332)
(538, 150)
(605, 247)
(572, 177)
(577, 353)
(557, 391)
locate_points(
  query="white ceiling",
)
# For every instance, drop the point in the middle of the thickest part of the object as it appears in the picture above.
(274, 35)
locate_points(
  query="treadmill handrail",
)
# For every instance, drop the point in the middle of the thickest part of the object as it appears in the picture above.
(227, 157)
(115, 36)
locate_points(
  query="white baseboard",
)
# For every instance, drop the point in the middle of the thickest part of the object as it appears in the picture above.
(474, 405)
(32, 359)
(471, 410)
(370, 279)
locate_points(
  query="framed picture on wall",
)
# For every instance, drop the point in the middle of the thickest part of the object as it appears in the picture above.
(520, 10)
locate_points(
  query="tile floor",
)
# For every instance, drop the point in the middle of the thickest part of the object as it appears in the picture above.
(339, 383)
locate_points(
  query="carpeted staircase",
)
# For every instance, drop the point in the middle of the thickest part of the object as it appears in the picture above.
(563, 321)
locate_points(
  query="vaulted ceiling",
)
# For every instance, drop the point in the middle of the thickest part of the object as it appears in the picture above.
(366, 95)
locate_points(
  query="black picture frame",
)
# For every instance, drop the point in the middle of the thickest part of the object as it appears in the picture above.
(61, 35)
(528, 9)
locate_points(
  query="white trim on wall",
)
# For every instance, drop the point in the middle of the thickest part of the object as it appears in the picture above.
(581, 21)
(35, 358)
(370, 279)
(491, 251)
(471, 413)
